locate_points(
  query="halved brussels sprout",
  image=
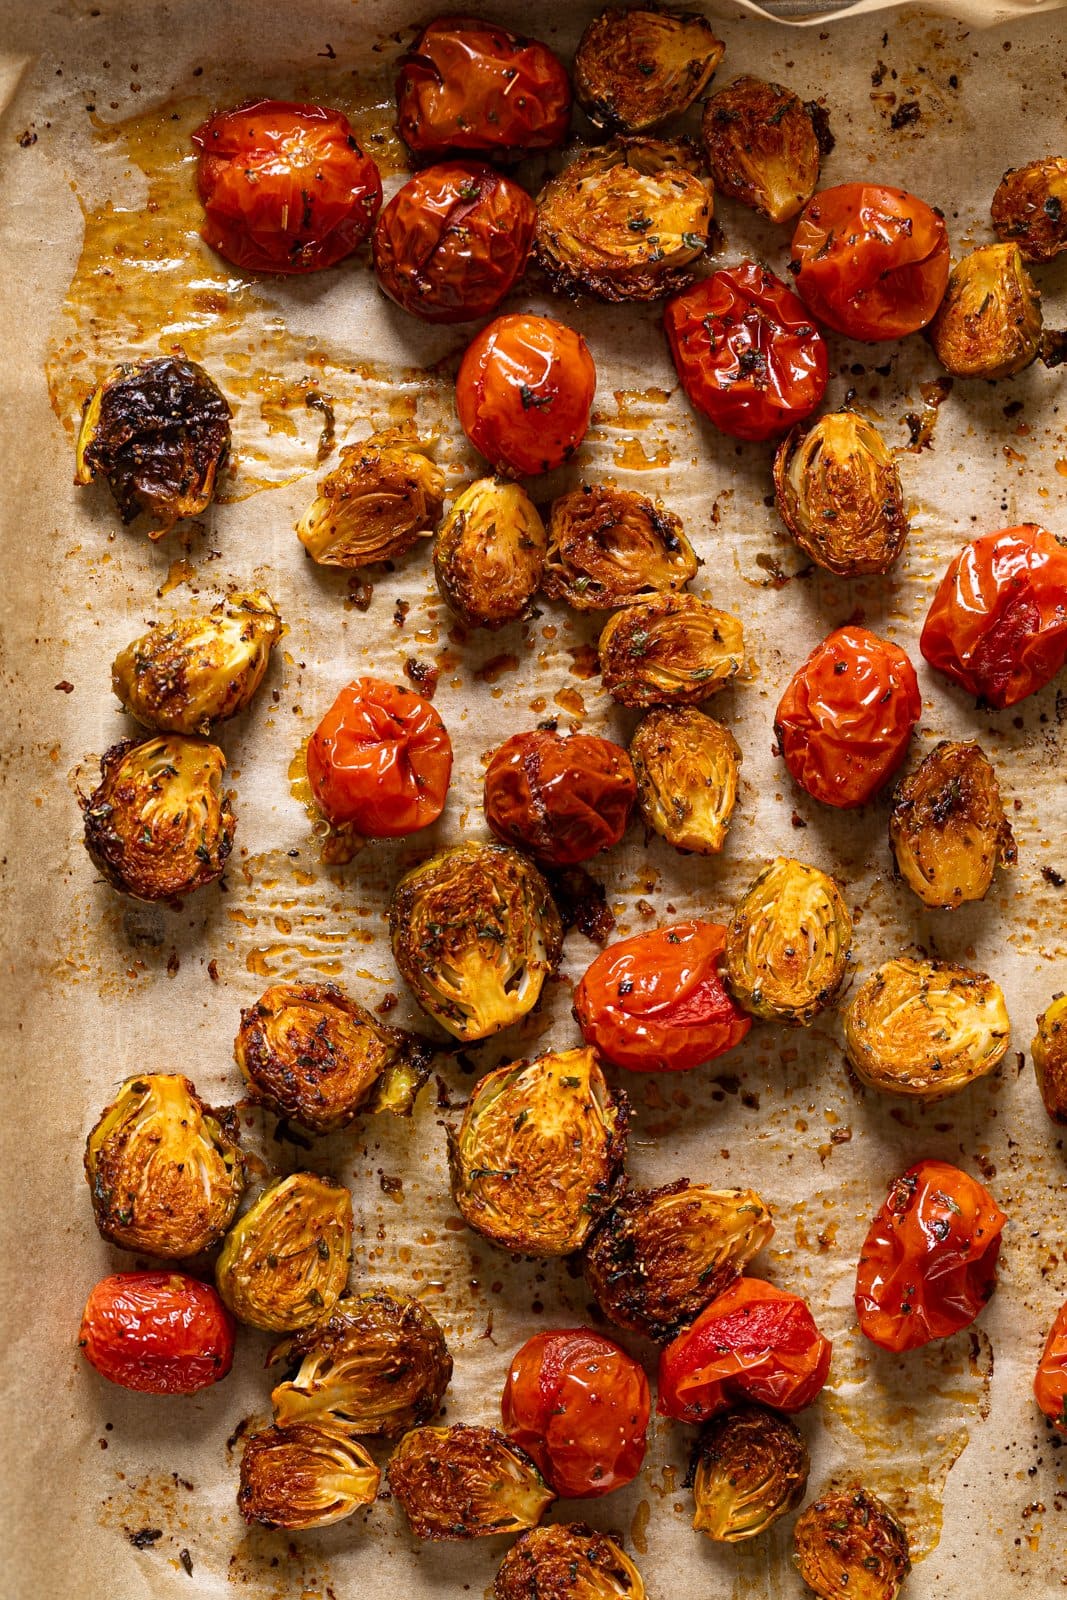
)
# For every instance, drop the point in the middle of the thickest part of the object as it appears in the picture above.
(687, 770)
(762, 146)
(285, 1263)
(567, 1561)
(158, 824)
(539, 1152)
(627, 220)
(184, 675)
(788, 943)
(750, 1467)
(1030, 208)
(948, 828)
(849, 1542)
(382, 497)
(379, 1365)
(634, 69)
(673, 649)
(925, 1028)
(158, 431)
(837, 490)
(164, 1169)
(489, 554)
(304, 1477)
(466, 1483)
(1049, 1051)
(608, 546)
(989, 323)
(475, 934)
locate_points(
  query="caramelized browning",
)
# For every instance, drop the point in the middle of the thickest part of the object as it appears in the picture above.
(763, 147)
(687, 769)
(634, 69)
(673, 649)
(489, 555)
(382, 497)
(837, 489)
(608, 547)
(948, 828)
(788, 943)
(466, 1483)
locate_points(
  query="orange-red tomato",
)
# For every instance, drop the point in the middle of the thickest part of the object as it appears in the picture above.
(579, 1406)
(160, 1332)
(871, 262)
(380, 760)
(560, 799)
(929, 1261)
(656, 1002)
(754, 1342)
(285, 187)
(846, 716)
(524, 391)
(1050, 1381)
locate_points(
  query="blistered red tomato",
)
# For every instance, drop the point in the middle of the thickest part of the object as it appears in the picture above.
(747, 352)
(159, 1332)
(285, 187)
(929, 1262)
(579, 1406)
(524, 391)
(1050, 1381)
(560, 799)
(380, 761)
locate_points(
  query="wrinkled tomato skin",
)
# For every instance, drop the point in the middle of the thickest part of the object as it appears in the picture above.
(656, 1002)
(1050, 1381)
(524, 391)
(998, 622)
(579, 1406)
(928, 1264)
(157, 1332)
(845, 719)
(754, 1342)
(560, 799)
(285, 187)
(380, 761)
(746, 352)
(872, 262)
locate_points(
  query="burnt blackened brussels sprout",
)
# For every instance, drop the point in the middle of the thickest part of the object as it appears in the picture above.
(788, 943)
(989, 323)
(948, 828)
(837, 490)
(673, 649)
(1030, 208)
(608, 546)
(849, 1543)
(687, 769)
(489, 554)
(750, 1467)
(763, 146)
(634, 69)
(466, 1483)
(1049, 1051)
(304, 1477)
(285, 1263)
(539, 1153)
(567, 1561)
(382, 497)
(164, 1169)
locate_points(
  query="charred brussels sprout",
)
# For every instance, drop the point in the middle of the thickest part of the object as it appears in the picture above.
(285, 1263)
(671, 650)
(837, 490)
(304, 1477)
(788, 943)
(1030, 208)
(989, 323)
(164, 1169)
(158, 824)
(607, 547)
(687, 770)
(466, 1483)
(539, 1152)
(948, 828)
(383, 496)
(850, 1543)
(567, 1561)
(634, 69)
(750, 1467)
(475, 933)
(762, 146)
(489, 555)
(1049, 1051)
(925, 1028)
(158, 431)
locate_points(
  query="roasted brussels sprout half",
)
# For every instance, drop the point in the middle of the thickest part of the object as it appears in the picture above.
(466, 1483)
(489, 554)
(608, 546)
(164, 1169)
(948, 828)
(158, 825)
(567, 1561)
(304, 1477)
(539, 1153)
(788, 943)
(687, 770)
(158, 431)
(661, 1255)
(925, 1028)
(850, 1543)
(762, 147)
(475, 933)
(1049, 1051)
(382, 497)
(378, 1365)
(837, 490)
(184, 675)
(673, 649)
(989, 323)
(634, 69)
(750, 1467)
(1030, 208)
(285, 1263)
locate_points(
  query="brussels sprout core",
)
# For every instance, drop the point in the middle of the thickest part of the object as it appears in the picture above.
(466, 1483)
(750, 1467)
(285, 1263)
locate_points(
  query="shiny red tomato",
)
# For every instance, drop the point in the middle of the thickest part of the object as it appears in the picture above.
(561, 799)
(846, 716)
(656, 1002)
(1050, 1381)
(754, 1342)
(872, 262)
(579, 1407)
(286, 188)
(159, 1332)
(929, 1262)
(380, 761)
(746, 352)
(998, 622)
(524, 390)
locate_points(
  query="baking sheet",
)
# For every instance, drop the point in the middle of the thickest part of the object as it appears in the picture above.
(97, 185)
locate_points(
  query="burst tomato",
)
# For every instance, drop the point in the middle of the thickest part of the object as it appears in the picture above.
(560, 799)
(524, 390)
(159, 1332)
(1050, 1381)
(380, 761)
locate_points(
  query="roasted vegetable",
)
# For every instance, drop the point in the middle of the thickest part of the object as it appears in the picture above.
(837, 490)
(466, 1483)
(304, 1477)
(561, 798)
(762, 146)
(788, 943)
(948, 828)
(608, 546)
(687, 769)
(1030, 208)
(489, 554)
(673, 649)
(989, 323)
(524, 393)
(157, 1332)
(567, 1561)
(382, 497)
(634, 69)
(1049, 1050)
(849, 1542)
(750, 1467)
(285, 1263)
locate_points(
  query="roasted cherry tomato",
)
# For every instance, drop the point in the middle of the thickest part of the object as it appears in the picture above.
(160, 1332)
(846, 716)
(524, 391)
(1050, 1381)
(579, 1406)
(747, 352)
(656, 1002)
(871, 262)
(286, 188)
(754, 1342)
(929, 1262)
(380, 761)
(998, 622)
(559, 799)
(472, 86)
